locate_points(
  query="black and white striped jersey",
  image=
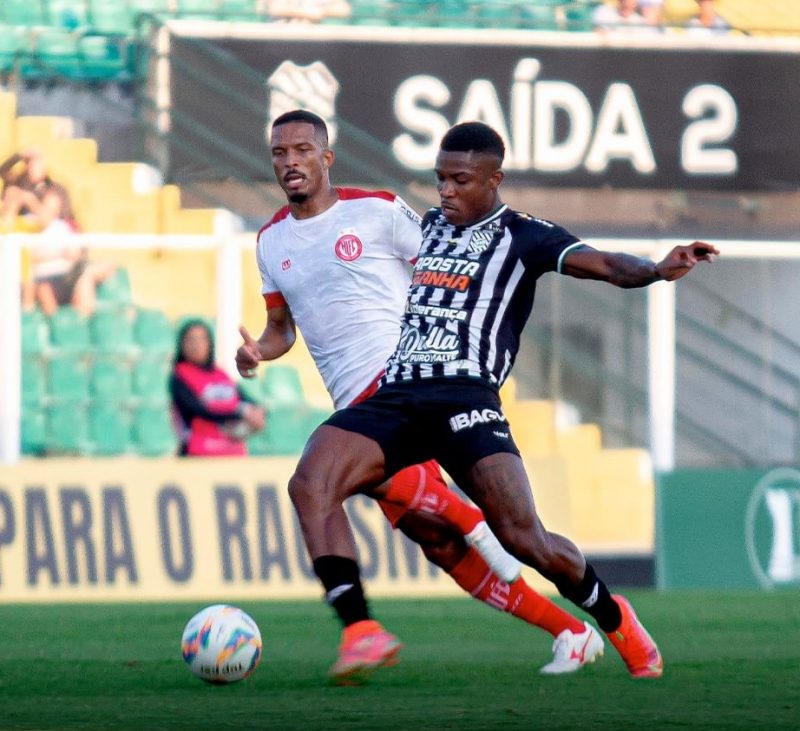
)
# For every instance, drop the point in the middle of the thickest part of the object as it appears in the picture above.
(471, 294)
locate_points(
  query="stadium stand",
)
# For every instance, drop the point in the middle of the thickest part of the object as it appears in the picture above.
(95, 41)
(110, 197)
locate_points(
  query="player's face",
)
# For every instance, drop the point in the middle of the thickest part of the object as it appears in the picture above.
(467, 183)
(299, 160)
(196, 345)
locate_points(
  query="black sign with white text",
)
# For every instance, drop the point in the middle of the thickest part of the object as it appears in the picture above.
(587, 116)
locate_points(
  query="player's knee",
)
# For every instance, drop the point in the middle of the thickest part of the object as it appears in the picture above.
(303, 494)
(528, 542)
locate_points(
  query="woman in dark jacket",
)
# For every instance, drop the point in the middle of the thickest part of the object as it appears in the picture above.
(213, 415)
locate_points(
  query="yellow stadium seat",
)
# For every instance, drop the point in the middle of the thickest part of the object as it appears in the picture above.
(549, 478)
(36, 131)
(533, 426)
(612, 500)
(178, 220)
(579, 439)
(69, 160)
(8, 113)
(119, 197)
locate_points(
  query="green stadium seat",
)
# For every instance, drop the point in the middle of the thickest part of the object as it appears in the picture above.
(287, 430)
(103, 57)
(539, 17)
(68, 378)
(33, 431)
(69, 330)
(111, 378)
(155, 7)
(66, 14)
(34, 381)
(281, 386)
(499, 14)
(110, 16)
(22, 12)
(150, 377)
(67, 429)
(117, 286)
(238, 10)
(251, 388)
(578, 16)
(370, 12)
(153, 331)
(109, 429)
(35, 334)
(412, 12)
(153, 433)
(14, 44)
(199, 9)
(56, 53)
(454, 14)
(111, 331)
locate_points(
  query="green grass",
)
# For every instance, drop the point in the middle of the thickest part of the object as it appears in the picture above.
(732, 662)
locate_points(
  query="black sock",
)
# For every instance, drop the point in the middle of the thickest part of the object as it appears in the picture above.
(592, 595)
(343, 591)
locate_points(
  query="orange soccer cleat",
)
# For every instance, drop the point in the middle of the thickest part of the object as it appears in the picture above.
(365, 646)
(634, 644)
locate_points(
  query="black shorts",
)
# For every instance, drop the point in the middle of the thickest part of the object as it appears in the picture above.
(64, 284)
(455, 421)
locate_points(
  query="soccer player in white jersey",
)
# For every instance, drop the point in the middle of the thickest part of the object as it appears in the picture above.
(335, 261)
(472, 292)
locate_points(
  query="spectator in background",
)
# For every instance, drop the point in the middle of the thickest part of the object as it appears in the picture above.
(309, 11)
(61, 273)
(653, 12)
(32, 201)
(622, 17)
(707, 22)
(212, 414)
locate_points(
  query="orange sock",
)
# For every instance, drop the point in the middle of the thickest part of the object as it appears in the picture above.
(474, 576)
(421, 487)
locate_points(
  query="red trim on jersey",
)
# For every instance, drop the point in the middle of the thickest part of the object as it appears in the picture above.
(368, 391)
(350, 194)
(274, 299)
(279, 216)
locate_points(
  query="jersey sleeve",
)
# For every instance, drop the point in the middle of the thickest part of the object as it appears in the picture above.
(407, 234)
(270, 290)
(543, 245)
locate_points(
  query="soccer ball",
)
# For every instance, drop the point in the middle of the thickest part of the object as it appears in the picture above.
(221, 644)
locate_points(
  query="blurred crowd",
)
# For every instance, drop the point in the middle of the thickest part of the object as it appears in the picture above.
(57, 272)
(648, 16)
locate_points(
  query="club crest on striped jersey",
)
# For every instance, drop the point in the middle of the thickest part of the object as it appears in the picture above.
(479, 241)
(348, 247)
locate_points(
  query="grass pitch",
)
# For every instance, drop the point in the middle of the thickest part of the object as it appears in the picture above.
(732, 662)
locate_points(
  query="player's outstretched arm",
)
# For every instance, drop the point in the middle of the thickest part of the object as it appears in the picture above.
(628, 271)
(278, 337)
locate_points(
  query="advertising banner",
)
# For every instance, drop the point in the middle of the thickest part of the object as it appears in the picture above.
(729, 529)
(572, 113)
(179, 529)
(137, 529)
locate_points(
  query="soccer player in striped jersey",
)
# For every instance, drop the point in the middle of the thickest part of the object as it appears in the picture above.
(472, 292)
(335, 262)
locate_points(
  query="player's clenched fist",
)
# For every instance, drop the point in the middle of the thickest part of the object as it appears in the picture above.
(248, 356)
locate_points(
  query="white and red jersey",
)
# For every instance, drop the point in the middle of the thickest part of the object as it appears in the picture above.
(344, 275)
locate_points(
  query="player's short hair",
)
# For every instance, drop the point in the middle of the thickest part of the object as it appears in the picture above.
(474, 137)
(303, 115)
